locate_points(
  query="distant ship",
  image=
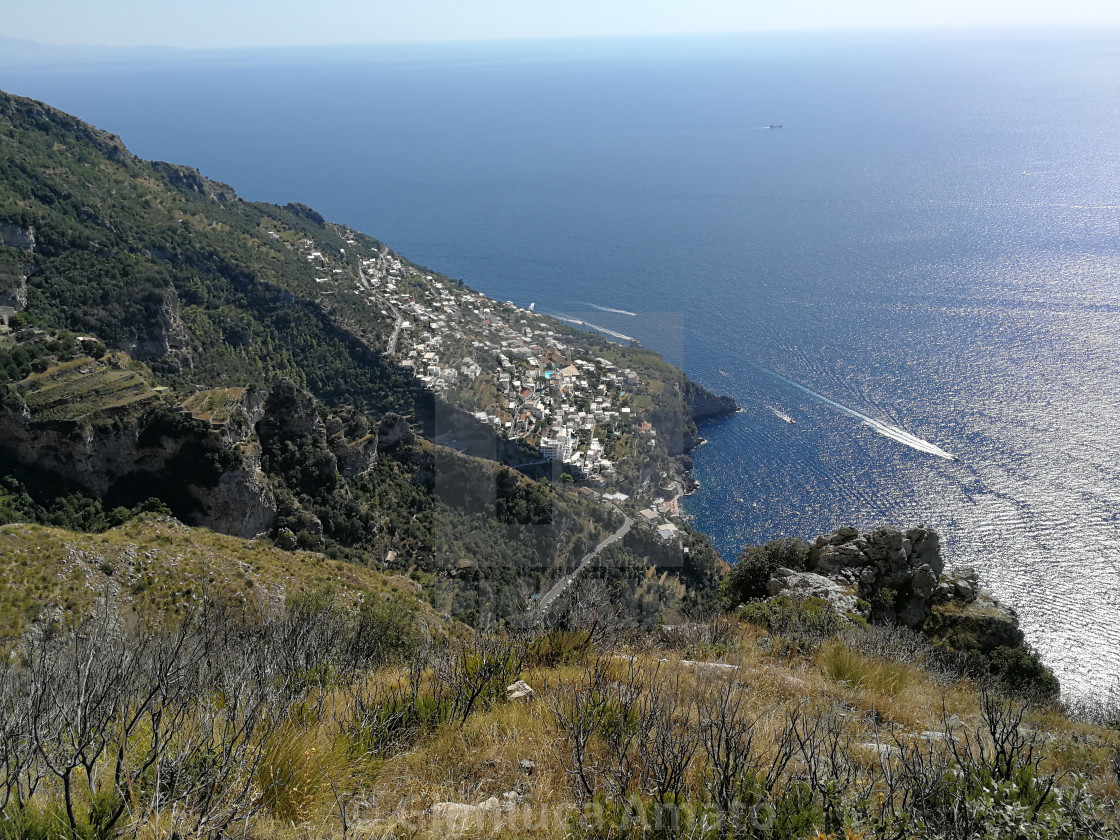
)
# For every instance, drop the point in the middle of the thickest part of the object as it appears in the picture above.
(775, 126)
(781, 415)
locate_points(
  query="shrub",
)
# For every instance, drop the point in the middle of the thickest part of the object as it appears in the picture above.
(1022, 672)
(387, 630)
(559, 647)
(803, 624)
(748, 577)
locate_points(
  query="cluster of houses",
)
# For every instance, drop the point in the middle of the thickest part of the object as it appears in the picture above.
(526, 380)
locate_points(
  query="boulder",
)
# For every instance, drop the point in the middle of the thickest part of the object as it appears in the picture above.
(924, 582)
(518, 691)
(461, 812)
(810, 585)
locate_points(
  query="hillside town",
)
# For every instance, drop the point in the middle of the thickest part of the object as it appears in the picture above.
(512, 368)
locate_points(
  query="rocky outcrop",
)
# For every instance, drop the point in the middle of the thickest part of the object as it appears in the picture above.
(355, 458)
(20, 238)
(166, 336)
(896, 573)
(305, 212)
(188, 179)
(181, 460)
(803, 585)
(704, 405)
(291, 412)
(13, 271)
(891, 576)
(394, 432)
(242, 504)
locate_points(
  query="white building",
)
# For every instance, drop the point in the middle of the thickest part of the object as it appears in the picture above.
(559, 448)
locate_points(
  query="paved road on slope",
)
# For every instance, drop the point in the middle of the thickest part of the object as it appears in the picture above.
(541, 605)
(391, 348)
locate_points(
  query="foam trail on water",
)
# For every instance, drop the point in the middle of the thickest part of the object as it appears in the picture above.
(608, 309)
(596, 327)
(885, 429)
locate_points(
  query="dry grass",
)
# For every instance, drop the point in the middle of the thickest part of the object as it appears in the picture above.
(301, 769)
(511, 753)
(157, 567)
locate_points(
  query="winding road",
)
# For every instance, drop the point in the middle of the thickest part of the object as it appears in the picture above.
(366, 286)
(540, 607)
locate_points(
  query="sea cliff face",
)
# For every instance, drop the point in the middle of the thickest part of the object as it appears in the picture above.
(704, 405)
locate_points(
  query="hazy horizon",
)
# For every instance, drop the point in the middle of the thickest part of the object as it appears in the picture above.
(211, 24)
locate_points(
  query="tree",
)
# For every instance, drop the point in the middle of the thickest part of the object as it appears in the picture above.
(748, 577)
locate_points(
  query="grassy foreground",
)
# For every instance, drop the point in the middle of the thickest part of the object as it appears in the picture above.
(323, 721)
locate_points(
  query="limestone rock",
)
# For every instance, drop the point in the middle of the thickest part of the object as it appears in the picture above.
(924, 582)
(518, 691)
(20, 238)
(188, 179)
(165, 335)
(355, 458)
(810, 585)
(393, 431)
(461, 812)
(242, 504)
(292, 411)
(907, 563)
(286, 539)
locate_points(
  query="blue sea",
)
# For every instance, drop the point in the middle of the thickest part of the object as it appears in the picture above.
(923, 260)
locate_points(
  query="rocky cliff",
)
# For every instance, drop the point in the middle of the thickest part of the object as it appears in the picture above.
(17, 249)
(207, 475)
(896, 577)
(704, 405)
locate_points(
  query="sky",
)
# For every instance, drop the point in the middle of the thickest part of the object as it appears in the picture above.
(259, 23)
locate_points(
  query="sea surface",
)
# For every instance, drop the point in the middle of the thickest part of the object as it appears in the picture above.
(922, 261)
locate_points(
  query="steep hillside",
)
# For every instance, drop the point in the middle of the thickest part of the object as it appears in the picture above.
(85, 441)
(259, 370)
(155, 569)
(176, 270)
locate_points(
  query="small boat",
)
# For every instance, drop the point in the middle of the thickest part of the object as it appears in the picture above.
(775, 126)
(781, 415)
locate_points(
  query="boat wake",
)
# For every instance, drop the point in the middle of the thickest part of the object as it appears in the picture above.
(596, 327)
(608, 309)
(885, 429)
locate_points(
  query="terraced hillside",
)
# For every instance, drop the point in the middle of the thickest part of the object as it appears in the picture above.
(85, 388)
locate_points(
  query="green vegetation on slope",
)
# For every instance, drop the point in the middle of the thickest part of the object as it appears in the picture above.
(156, 569)
(214, 293)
